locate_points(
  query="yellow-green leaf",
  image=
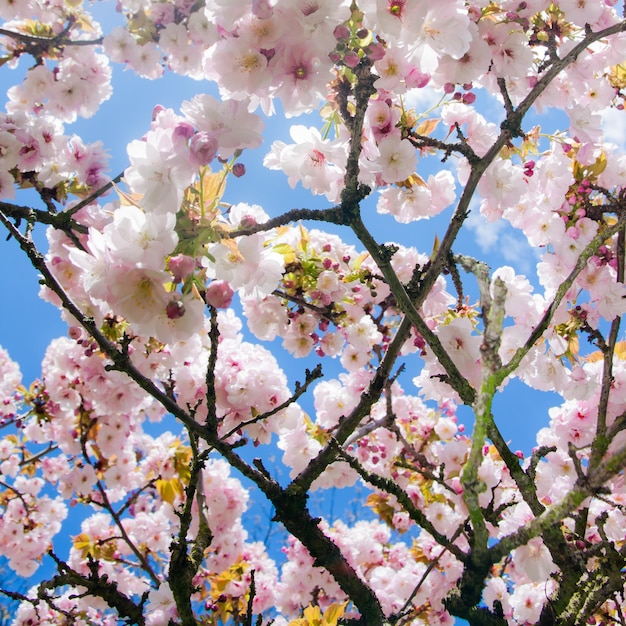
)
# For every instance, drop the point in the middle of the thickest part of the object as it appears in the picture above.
(287, 252)
(83, 543)
(334, 613)
(128, 199)
(427, 127)
(313, 615)
(213, 188)
(169, 489)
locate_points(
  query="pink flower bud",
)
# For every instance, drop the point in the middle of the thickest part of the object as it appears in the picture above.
(375, 52)
(247, 221)
(341, 32)
(203, 148)
(181, 266)
(239, 169)
(175, 309)
(351, 59)
(219, 294)
(183, 130)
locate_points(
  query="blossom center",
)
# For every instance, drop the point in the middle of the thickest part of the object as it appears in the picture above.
(248, 63)
(392, 69)
(396, 6)
(317, 157)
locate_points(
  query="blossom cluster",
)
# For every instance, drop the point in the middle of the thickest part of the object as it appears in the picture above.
(155, 272)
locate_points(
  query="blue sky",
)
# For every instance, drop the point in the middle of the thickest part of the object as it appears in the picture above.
(27, 324)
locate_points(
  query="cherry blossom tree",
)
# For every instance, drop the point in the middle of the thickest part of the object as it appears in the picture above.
(159, 410)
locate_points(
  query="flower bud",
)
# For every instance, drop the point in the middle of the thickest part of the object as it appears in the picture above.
(181, 266)
(239, 169)
(341, 32)
(183, 130)
(375, 52)
(247, 221)
(351, 59)
(175, 309)
(219, 294)
(203, 148)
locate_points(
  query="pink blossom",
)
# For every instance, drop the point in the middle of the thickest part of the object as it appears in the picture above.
(316, 163)
(441, 29)
(397, 159)
(181, 266)
(527, 601)
(301, 77)
(238, 66)
(254, 268)
(511, 56)
(383, 119)
(159, 170)
(535, 560)
(229, 122)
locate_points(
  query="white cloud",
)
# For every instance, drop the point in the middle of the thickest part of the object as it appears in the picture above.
(486, 233)
(421, 99)
(500, 241)
(614, 126)
(517, 251)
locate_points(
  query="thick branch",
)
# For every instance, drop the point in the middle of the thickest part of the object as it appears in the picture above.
(46, 42)
(30, 215)
(96, 585)
(383, 259)
(540, 328)
(121, 360)
(183, 567)
(332, 215)
(350, 422)
(508, 128)
(387, 485)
